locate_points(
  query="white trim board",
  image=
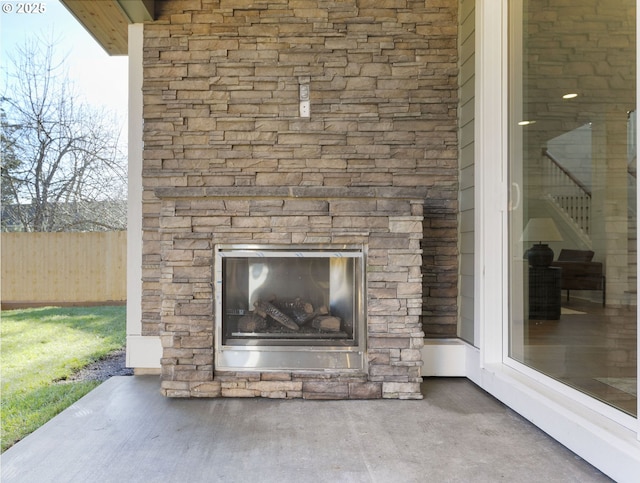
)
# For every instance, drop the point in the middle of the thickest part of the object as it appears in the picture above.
(143, 352)
(444, 358)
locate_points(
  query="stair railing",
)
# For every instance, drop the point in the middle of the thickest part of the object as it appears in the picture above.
(568, 192)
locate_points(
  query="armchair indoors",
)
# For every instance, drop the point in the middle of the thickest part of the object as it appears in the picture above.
(580, 273)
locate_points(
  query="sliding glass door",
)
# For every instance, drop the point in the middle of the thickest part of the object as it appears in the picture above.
(573, 215)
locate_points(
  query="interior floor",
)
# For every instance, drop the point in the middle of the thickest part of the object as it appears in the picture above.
(591, 348)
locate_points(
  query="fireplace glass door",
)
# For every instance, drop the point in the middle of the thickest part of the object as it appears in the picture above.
(278, 303)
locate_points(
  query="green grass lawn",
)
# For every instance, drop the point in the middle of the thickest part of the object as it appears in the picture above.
(42, 346)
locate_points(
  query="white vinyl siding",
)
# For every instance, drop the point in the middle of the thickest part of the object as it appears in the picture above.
(467, 166)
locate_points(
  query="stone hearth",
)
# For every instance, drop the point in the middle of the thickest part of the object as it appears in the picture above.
(386, 221)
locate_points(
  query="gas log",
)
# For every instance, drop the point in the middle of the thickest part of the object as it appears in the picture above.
(301, 312)
(265, 308)
(326, 323)
(252, 322)
(288, 313)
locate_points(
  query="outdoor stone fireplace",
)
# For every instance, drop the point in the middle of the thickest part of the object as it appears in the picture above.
(318, 128)
(291, 292)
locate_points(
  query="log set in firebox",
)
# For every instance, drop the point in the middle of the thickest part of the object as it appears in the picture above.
(284, 315)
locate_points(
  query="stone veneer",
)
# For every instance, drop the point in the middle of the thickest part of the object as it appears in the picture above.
(222, 128)
(388, 221)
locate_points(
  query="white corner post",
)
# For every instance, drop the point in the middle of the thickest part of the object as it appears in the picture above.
(143, 353)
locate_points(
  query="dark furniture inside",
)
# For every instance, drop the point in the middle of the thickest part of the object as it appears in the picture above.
(579, 272)
(544, 293)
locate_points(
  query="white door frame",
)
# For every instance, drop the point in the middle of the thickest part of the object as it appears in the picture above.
(606, 438)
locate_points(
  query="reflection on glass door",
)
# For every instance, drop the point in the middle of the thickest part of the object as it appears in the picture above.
(573, 229)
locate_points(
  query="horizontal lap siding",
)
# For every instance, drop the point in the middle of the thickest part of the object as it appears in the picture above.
(467, 167)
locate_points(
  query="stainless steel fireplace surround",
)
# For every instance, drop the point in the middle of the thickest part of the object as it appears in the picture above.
(290, 308)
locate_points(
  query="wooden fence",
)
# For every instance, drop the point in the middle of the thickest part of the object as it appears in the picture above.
(63, 268)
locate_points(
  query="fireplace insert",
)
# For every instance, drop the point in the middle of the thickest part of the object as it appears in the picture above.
(290, 307)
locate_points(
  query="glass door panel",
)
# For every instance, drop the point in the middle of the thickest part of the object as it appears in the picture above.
(573, 218)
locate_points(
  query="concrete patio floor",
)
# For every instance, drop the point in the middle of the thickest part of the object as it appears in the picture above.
(125, 431)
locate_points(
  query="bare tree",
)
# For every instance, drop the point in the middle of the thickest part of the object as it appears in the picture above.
(9, 161)
(62, 168)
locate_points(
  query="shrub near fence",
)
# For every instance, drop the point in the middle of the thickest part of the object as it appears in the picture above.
(63, 268)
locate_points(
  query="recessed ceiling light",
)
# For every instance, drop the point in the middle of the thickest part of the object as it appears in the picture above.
(572, 95)
(526, 123)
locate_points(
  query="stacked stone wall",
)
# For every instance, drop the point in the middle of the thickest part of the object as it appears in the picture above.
(221, 109)
(221, 114)
(386, 222)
